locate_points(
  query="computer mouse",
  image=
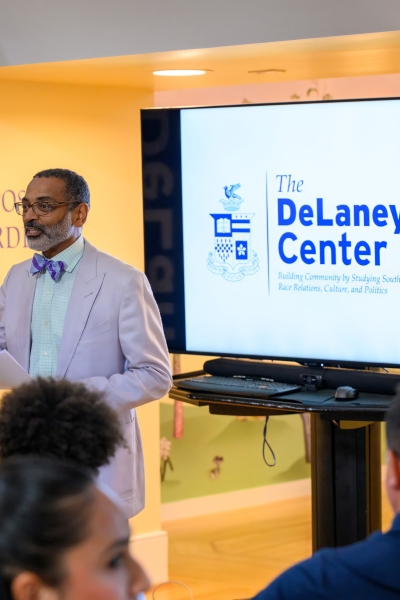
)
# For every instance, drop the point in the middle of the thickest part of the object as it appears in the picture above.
(345, 392)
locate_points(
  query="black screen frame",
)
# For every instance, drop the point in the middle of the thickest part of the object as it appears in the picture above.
(165, 151)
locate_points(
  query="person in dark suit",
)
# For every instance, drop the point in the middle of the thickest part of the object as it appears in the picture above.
(366, 570)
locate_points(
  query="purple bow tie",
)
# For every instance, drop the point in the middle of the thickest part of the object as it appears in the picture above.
(54, 267)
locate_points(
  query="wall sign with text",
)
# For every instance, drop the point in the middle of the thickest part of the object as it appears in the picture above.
(12, 233)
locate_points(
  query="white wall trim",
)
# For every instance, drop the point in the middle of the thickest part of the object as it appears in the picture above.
(206, 505)
(151, 551)
(194, 507)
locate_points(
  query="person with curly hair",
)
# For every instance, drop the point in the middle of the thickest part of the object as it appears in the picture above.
(59, 419)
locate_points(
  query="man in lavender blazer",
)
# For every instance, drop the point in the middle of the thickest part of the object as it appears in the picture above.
(85, 316)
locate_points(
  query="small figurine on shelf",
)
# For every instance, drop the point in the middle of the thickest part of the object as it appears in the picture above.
(165, 449)
(217, 460)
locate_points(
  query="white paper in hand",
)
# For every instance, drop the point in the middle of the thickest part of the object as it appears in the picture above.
(11, 372)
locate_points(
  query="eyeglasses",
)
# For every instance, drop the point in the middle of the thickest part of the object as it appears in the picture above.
(40, 208)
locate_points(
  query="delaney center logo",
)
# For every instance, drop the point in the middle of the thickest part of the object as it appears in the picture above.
(233, 257)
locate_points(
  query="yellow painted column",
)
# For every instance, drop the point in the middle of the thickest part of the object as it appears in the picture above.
(95, 131)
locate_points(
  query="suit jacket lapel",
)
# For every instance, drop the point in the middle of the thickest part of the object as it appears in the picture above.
(87, 285)
(27, 295)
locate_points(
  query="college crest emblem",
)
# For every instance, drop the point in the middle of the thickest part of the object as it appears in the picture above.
(232, 257)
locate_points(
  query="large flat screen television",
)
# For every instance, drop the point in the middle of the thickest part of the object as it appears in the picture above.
(273, 231)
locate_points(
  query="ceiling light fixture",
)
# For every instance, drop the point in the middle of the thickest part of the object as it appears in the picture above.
(179, 72)
(260, 71)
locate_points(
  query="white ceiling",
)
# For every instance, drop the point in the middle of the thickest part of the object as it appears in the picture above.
(38, 31)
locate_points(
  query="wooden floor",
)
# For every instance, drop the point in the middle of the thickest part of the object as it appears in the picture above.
(232, 555)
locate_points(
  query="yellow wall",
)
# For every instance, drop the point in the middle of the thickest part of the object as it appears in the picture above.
(95, 131)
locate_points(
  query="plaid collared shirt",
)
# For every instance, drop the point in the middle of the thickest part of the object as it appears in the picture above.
(50, 307)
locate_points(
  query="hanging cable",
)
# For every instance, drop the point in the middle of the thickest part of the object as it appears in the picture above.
(268, 445)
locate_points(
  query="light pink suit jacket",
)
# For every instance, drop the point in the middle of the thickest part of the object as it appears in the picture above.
(112, 340)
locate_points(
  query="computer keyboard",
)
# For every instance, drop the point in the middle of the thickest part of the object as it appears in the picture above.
(238, 386)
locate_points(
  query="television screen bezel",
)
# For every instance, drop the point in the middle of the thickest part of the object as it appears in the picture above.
(309, 361)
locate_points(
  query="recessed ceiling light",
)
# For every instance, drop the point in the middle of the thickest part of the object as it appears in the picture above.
(179, 72)
(260, 71)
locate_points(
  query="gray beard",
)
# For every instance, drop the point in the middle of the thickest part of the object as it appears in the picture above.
(52, 235)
